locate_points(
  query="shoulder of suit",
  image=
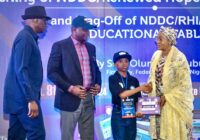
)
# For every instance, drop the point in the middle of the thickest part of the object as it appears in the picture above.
(89, 44)
(61, 42)
(24, 35)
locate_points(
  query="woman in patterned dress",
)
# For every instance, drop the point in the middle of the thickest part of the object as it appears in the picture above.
(170, 78)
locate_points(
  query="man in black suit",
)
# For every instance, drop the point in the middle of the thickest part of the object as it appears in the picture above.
(73, 69)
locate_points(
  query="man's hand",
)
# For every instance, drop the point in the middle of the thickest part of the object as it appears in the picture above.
(33, 110)
(79, 91)
(95, 89)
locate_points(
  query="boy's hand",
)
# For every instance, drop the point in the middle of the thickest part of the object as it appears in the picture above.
(147, 88)
(139, 115)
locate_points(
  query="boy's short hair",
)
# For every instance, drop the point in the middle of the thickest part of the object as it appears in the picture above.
(121, 54)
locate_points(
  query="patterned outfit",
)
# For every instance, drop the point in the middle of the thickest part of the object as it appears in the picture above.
(159, 89)
(176, 115)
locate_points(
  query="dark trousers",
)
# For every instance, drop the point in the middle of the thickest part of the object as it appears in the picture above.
(21, 126)
(122, 128)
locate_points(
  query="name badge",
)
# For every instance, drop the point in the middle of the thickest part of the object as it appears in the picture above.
(128, 108)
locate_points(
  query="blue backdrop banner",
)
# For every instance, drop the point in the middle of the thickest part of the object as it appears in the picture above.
(129, 25)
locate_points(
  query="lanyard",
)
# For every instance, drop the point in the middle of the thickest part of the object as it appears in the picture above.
(125, 84)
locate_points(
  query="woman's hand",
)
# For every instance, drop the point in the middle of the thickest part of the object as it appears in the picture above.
(147, 88)
(162, 101)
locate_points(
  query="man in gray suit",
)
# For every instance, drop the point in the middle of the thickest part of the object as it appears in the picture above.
(73, 69)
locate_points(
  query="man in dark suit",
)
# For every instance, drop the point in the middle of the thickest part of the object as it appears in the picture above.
(73, 69)
(24, 79)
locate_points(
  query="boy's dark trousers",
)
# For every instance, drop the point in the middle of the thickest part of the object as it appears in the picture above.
(122, 128)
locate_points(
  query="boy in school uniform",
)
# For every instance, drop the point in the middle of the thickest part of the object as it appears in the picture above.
(125, 91)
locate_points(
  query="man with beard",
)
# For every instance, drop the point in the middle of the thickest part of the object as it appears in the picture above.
(73, 69)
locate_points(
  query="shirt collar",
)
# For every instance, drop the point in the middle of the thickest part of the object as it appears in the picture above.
(28, 28)
(76, 42)
(117, 73)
